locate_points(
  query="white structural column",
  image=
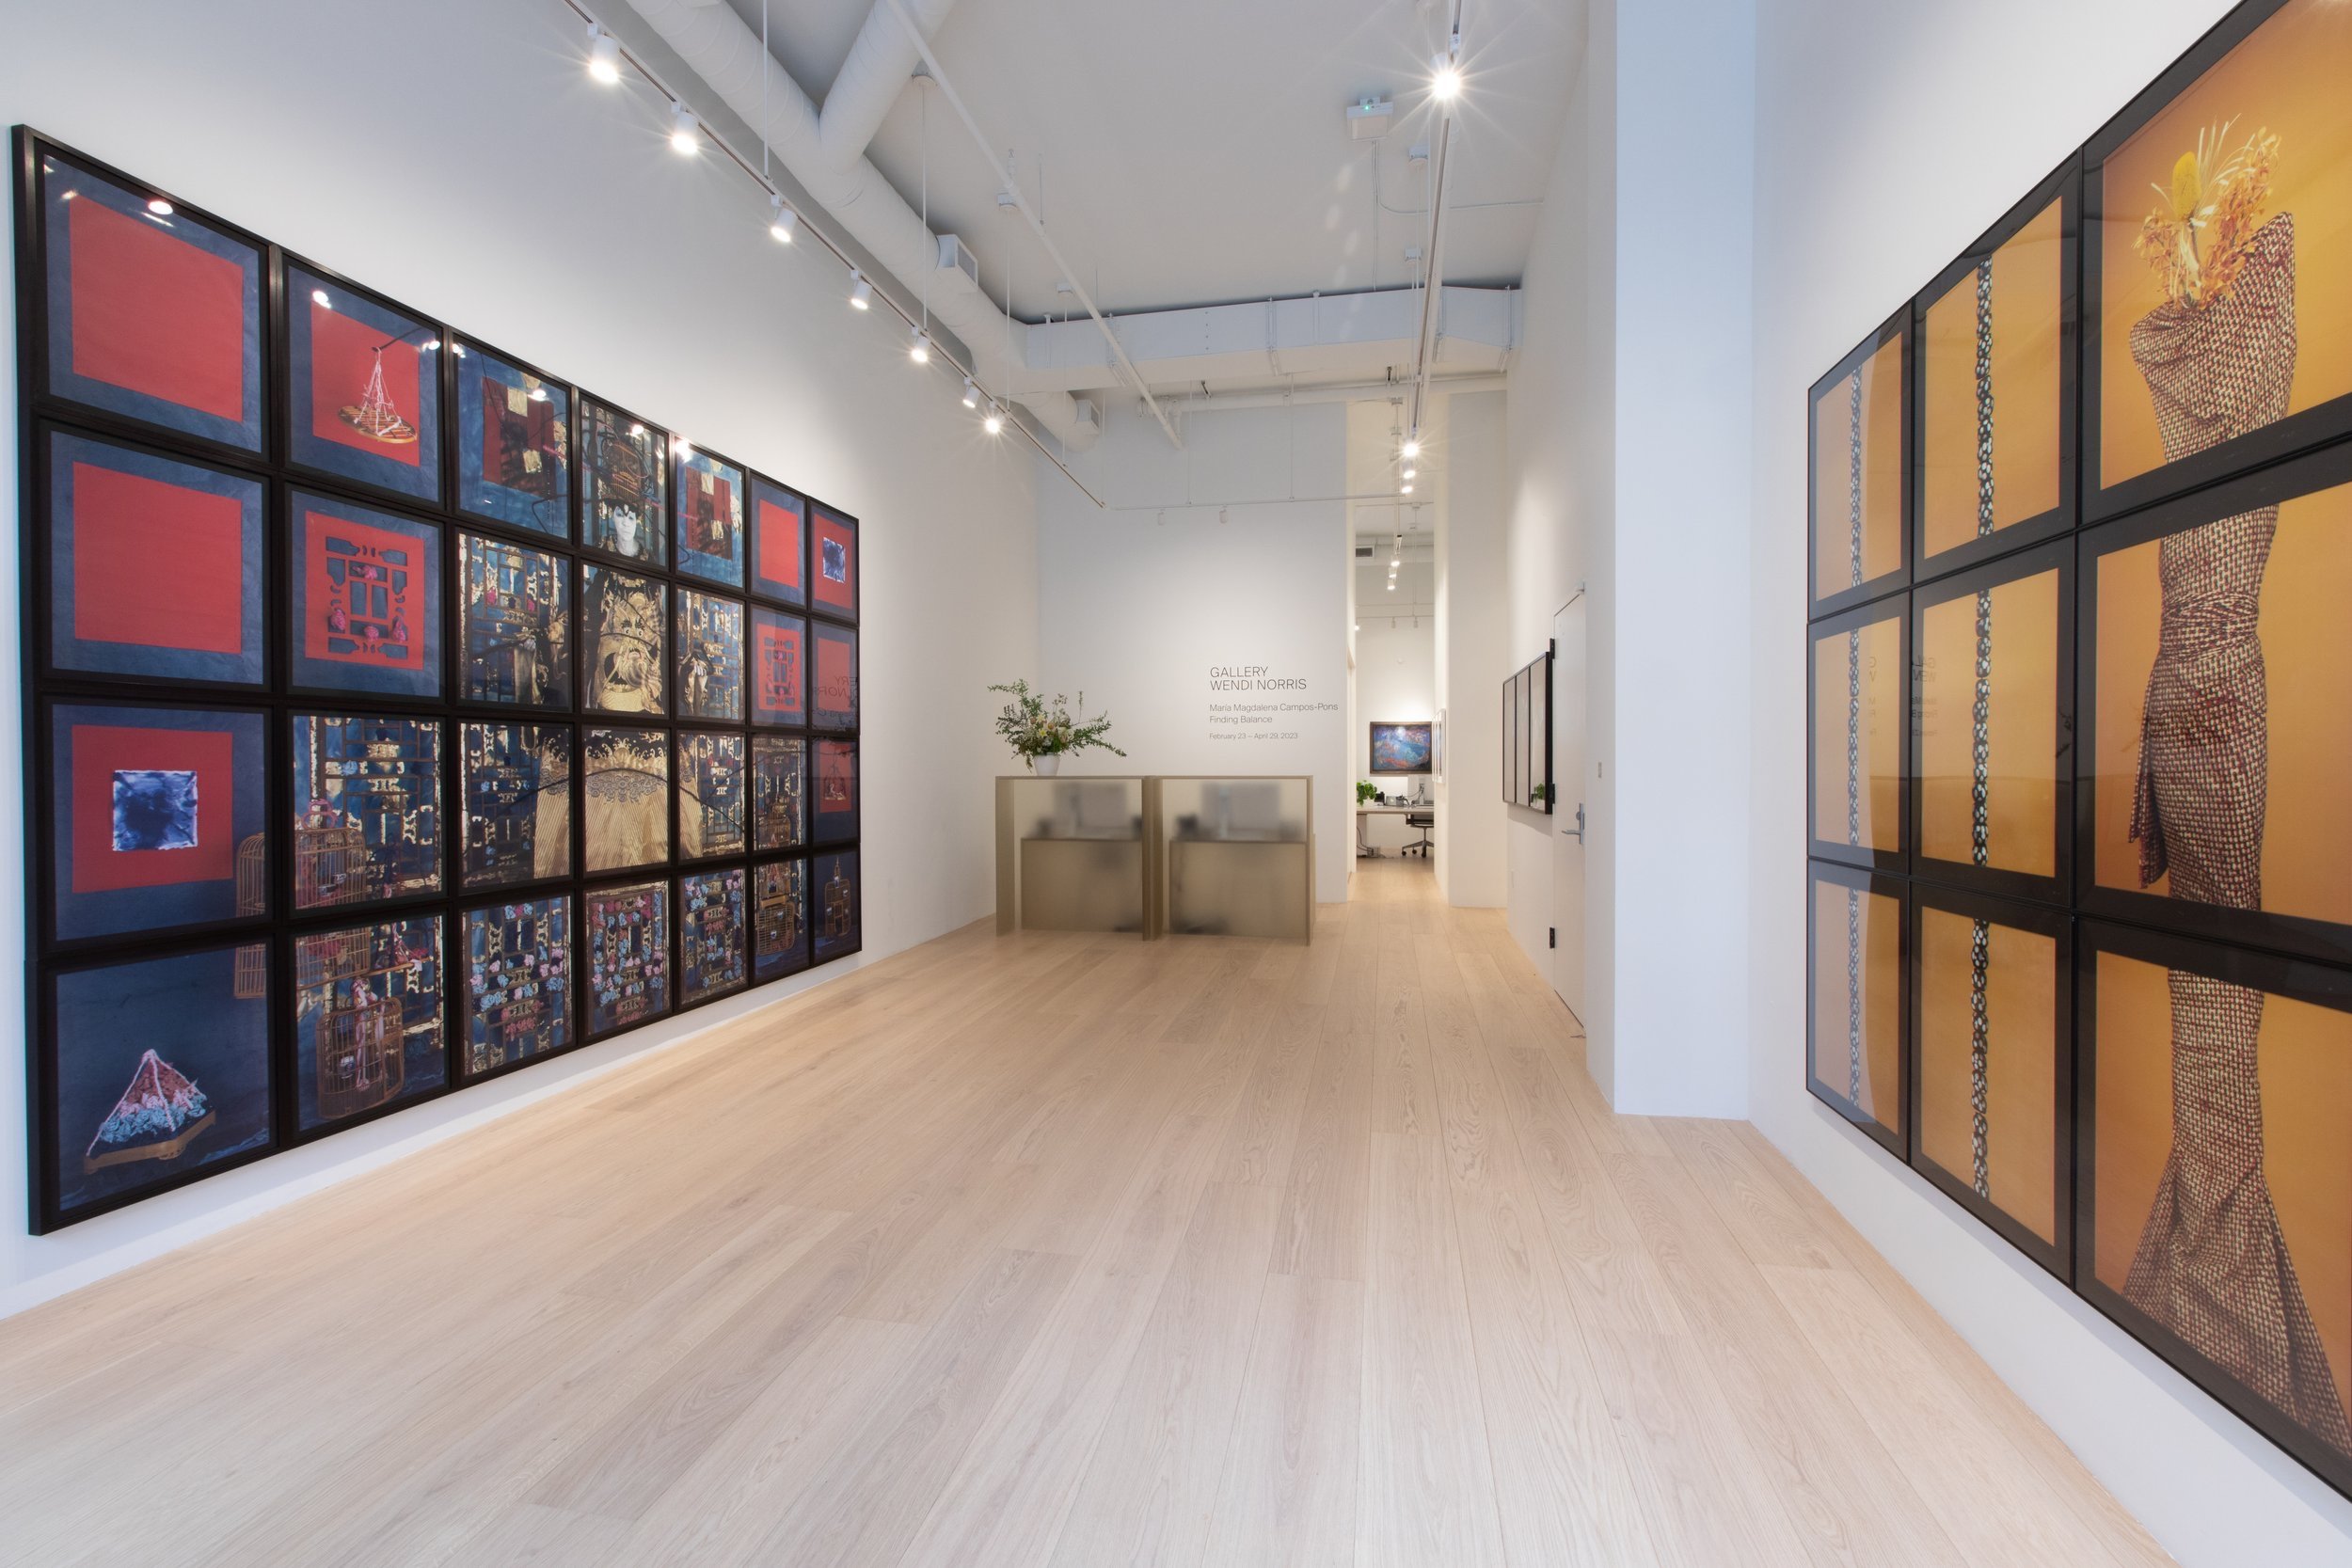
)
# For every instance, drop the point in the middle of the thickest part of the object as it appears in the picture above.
(1670, 622)
(1464, 433)
(718, 47)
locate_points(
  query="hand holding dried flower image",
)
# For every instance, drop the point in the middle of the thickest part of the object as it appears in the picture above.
(2215, 196)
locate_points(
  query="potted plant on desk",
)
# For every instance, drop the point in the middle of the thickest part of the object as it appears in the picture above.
(1042, 735)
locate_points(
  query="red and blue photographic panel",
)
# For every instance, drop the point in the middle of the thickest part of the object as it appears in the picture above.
(367, 808)
(836, 791)
(519, 982)
(628, 956)
(709, 657)
(513, 444)
(779, 668)
(152, 314)
(367, 599)
(779, 919)
(712, 935)
(515, 791)
(515, 639)
(779, 791)
(163, 1068)
(367, 1019)
(363, 388)
(710, 506)
(832, 692)
(624, 484)
(154, 565)
(832, 561)
(835, 899)
(159, 819)
(779, 553)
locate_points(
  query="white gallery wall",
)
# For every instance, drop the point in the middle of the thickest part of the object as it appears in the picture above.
(1204, 607)
(1887, 138)
(454, 154)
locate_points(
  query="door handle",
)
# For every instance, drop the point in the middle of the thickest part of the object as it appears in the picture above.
(1576, 832)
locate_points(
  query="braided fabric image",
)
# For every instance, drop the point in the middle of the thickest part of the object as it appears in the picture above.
(2212, 1263)
(2005, 1148)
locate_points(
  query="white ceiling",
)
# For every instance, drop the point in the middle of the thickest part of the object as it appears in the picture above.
(1196, 151)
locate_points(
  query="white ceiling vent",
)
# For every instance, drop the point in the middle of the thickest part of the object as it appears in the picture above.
(955, 257)
(1370, 119)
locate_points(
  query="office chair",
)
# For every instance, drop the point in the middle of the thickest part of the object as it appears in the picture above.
(1422, 822)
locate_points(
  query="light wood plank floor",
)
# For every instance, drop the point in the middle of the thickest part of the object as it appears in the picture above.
(1054, 1250)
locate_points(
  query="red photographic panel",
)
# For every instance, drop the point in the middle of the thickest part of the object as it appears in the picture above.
(834, 703)
(779, 669)
(103, 754)
(154, 315)
(359, 580)
(779, 543)
(188, 590)
(344, 358)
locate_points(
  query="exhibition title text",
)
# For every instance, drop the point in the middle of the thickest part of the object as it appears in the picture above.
(1252, 677)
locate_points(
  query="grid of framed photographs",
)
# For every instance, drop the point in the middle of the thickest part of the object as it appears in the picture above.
(396, 715)
(2079, 911)
(1527, 737)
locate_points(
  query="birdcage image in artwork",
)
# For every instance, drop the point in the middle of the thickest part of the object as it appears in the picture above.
(252, 961)
(359, 1054)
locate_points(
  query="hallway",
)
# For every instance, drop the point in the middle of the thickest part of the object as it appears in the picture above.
(1053, 1249)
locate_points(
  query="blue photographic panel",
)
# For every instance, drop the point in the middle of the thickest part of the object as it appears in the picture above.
(709, 657)
(162, 1068)
(515, 792)
(836, 904)
(515, 629)
(154, 315)
(159, 819)
(367, 1018)
(779, 919)
(779, 791)
(833, 671)
(628, 956)
(514, 445)
(367, 808)
(363, 388)
(519, 982)
(154, 565)
(712, 955)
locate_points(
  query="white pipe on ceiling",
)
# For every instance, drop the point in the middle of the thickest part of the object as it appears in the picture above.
(718, 47)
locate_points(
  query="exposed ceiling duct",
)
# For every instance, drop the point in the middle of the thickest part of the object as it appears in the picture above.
(827, 155)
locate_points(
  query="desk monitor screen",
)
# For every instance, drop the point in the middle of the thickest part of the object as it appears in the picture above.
(1401, 748)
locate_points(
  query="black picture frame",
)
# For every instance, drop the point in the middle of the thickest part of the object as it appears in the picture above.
(1895, 1139)
(2286, 933)
(1896, 329)
(651, 447)
(2063, 187)
(272, 926)
(2301, 980)
(824, 516)
(2055, 556)
(555, 527)
(334, 459)
(2295, 433)
(725, 574)
(1897, 611)
(2055, 1255)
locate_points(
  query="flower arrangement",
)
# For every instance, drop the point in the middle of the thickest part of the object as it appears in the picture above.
(2203, 230)
(1035, 728)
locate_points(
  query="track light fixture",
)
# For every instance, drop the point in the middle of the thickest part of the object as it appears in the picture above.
(971, 394)
(604, 55)
(784, 221)
(1404, 489)
(686, 137)
(861, 293)
(1410, 471)
(994, 422)
(919, 347)
(1411, 448)
(1445, 71)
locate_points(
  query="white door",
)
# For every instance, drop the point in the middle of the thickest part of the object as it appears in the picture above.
(1570, 769)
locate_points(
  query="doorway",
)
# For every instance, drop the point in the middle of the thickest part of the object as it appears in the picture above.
(1570, 772)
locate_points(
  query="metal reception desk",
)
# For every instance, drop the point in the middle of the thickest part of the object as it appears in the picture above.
(1156, 856)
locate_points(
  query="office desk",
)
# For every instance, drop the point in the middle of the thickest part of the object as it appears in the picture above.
(1363, 845)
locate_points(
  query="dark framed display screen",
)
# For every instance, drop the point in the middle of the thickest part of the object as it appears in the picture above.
(1527, 737)
(397, 715)
(2079, 882)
